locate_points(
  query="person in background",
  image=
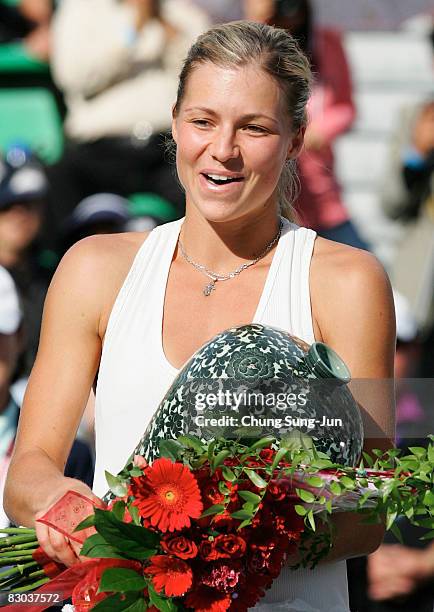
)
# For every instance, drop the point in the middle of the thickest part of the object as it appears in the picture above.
(331, 113)
(29, 21)
(23, 198)
(102, 213)
(117, 65)
(12, 342)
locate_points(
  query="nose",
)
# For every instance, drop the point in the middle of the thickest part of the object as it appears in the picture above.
(224, 145)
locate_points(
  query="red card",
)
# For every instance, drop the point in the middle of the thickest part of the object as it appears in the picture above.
(68, 512)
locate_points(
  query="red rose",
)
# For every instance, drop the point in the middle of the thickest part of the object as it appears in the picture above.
(208, 551)
(179, 546)
(210, 493)
(230, 546)
(267, 454)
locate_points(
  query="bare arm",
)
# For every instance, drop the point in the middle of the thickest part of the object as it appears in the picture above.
(353, 307)
(58, 389)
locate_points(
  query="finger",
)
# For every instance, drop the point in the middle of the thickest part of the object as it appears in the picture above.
(62, 548)
(43, 536)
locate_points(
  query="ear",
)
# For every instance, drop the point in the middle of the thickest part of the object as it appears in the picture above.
(174, 130)
(296, 143)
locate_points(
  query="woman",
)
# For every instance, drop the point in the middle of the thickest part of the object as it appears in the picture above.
(135, 307)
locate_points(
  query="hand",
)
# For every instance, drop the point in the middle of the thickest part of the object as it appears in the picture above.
(38, 42)
(423, 134)
(57, 546)
(396, 571)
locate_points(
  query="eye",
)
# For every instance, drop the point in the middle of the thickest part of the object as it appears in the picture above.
(256, 129)
(201, 123)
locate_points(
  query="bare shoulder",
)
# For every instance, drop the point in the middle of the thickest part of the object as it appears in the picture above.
(94, 269)
(351, 296)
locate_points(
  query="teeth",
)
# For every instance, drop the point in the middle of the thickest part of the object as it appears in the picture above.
(218, 177)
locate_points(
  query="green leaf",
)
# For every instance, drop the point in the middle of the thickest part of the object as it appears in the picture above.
(250, 497)
(134, 511)
(328, 506)
(121, 579)
(428, 536)
(136, 471)
(160, 602)
(263, 442)
(135, 541)
(96, 546)
(228, 474)
(256, 479)
(281, 453)
(314, 481)
(116, 485)
(170, 449)
(311, 520)
(428, 498)
(430, 453)
(335, 488)
(301, 510)
(347, 482)
(368, 459)
(245, 523)
(242, 515)
(130, 602)
(89, 521)
(396, 532)
(306, 496)
(220, 457)
(419, 451)
(216, 509)
(119, 510)
(391, 516)
(191, 442)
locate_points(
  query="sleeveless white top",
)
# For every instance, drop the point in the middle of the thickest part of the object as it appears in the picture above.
(134, 376)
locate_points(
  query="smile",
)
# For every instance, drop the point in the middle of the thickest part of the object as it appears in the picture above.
(219, 179)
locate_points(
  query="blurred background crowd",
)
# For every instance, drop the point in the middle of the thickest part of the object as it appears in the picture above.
(86, 89)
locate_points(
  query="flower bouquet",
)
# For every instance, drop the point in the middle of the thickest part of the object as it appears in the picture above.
(209, 524)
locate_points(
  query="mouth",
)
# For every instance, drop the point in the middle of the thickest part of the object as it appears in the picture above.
(219, 179)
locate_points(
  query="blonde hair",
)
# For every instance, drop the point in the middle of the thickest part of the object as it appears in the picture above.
(275, 51)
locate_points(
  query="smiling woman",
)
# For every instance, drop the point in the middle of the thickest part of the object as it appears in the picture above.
(133, 308)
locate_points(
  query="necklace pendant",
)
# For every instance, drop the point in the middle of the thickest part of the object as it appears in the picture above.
(208, 288)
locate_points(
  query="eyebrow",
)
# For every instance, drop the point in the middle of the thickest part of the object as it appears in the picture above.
(248, 117)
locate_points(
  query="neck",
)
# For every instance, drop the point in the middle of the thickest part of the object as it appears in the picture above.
(223, 245)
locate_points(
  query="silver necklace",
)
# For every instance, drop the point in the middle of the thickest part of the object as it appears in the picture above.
(216, 276)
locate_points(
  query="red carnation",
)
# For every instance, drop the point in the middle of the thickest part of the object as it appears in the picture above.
(223, 576)
(230, 546)
(180, 546)
(204, 599)
(167, 495)
(170, 575)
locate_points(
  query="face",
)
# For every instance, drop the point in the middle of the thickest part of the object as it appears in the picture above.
(20, 224)
(233, 136)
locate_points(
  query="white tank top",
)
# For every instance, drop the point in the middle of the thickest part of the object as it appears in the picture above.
(135, 374)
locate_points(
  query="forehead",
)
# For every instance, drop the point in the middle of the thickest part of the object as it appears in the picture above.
(246, 88)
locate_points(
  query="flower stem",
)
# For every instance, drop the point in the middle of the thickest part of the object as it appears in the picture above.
(30, 587)
(18, 530)
(18, 569)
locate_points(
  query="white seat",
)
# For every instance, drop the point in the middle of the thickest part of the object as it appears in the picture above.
(389, 58)
(378, 110)
(360, 160)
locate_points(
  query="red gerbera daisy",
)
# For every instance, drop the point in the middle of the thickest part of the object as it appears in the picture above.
(171, 575)
(171, 497)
